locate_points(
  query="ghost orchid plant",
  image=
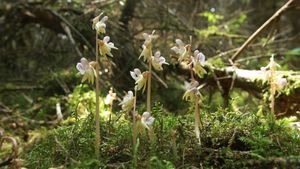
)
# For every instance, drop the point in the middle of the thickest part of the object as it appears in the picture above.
(128, 103)
(276, 83)
(156, 61)
(91, 69)
(196, 62)
(143, 81)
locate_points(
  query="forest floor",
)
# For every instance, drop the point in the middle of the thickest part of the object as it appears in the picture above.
(229, 138)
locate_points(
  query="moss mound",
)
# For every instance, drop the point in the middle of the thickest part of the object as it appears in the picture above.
(229, 140)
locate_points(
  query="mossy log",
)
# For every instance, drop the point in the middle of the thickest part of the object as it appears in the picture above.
(255, 82)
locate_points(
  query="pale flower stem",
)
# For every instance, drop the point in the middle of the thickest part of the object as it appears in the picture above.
(191, 55)
(110, 117)
(149, 85)
(197, 119)
(192, 74)
(273, 90)
(97, 116)
(197, 112)
(134, 119)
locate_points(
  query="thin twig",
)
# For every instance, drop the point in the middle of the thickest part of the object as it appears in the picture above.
(252, 58)
(72, 28)
(216, 78)
(156, 76)
(253, 45)
(261, 28)
(69, 34)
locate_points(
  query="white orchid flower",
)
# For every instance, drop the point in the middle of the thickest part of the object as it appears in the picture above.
(158, 61)
(127, 102)
(146, 52)
(105, 46)
(198, 61)
(147, 120)
(281, 83)
(140, 78)
(272, 64)
(110, 97)
(99, 26)
(271, 67)
(147, 46)
(191, 90)
(180, 50)
(96, 20)
(148, 38)
(86, 69)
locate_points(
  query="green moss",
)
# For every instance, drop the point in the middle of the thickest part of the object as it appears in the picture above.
(229, 139)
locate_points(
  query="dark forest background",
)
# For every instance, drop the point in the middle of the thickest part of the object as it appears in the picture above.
(42, 40)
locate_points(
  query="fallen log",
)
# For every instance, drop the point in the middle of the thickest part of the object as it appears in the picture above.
(255, 82)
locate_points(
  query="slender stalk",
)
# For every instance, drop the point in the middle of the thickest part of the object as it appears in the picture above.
(97, 116)
(134, 132)
(149, 85)
(197, 113)
(261, 28)
(197, 119)
(134, 135)
(191, 55)
(198, 123)
(192, 73)
(273, 90)
(110, 118)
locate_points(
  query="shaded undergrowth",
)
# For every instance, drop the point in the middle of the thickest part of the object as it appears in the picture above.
(230, 139)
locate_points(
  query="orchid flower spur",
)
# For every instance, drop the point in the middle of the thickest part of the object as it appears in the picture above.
(86, 69)
(99, 26)
(140, 78)
(105, 46)
(198, 61)
(147, 120)
(158, 61)
(180, 50)
(111, 96)
(128, 101)
(191, 91)
(147, 46)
